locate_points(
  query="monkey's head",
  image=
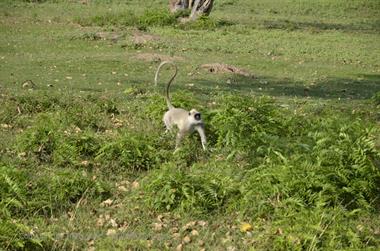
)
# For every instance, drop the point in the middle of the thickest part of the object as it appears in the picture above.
(195, 116)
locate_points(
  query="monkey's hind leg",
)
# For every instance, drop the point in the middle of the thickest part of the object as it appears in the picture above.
(167, 123)
(179, 138)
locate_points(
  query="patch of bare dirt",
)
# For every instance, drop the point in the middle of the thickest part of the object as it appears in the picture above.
(154, 57)
(142, 38)
(109, 35)
(224, 68)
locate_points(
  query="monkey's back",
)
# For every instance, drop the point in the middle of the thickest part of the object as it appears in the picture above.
(177, 116)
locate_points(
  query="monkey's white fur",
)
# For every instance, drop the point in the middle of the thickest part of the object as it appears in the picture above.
(186, 121)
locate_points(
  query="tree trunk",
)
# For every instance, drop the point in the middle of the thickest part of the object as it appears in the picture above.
(197, 7)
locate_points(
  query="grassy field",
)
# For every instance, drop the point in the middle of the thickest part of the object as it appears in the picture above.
(293, 160)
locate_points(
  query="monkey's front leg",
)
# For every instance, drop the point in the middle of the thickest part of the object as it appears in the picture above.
(200, 129)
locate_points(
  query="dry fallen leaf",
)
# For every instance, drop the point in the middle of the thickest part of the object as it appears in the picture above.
(113, 223)
(186, 239)
(91, 242)
(189, 225)
(149, 243)
(168, 245)
(100, 222)
(135, 184)
(22, 154)
(176, 235)
(111, 232)
(85, 163)
(158, 226)
(122, 189)
(160, 217)
(279, 231)
(360, 227)
(107, 203)
(174, 230)
(245, 227)
(179, 247)
(194, 233)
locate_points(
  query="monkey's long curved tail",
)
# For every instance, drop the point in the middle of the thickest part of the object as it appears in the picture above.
(167, 97)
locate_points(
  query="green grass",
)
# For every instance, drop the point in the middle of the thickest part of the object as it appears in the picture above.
(294, 151)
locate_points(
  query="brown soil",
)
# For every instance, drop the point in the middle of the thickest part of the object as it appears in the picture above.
(142, 38)
(224, 68)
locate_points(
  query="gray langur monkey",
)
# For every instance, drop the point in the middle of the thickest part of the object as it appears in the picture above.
(186, 121)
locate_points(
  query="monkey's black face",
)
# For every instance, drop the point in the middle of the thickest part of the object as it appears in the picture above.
(197, 116)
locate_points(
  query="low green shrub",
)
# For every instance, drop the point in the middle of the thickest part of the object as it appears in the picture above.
(152, 17)
(130, 151)
(127, 18)
(15, 235)
(50, 140)
(201, 23)
(77, 147)
(40, 140)
(33, 103)
(88, 112)
(319, 229)
(346, 154)
(24, 193)
(205, 23)
(156, 17)
(244, 123)
(339, 170)
(198, 189)
(376, 98)
(27, 193)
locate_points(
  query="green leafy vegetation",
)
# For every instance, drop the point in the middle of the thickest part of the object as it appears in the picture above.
(293, 151)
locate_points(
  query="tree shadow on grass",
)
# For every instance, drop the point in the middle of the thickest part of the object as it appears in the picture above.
(285, 24)
(362, 87)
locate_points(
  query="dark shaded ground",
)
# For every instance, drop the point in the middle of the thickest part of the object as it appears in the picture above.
(285, 24)
(364, 87)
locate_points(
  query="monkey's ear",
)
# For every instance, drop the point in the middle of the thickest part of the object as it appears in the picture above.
(189, 113)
